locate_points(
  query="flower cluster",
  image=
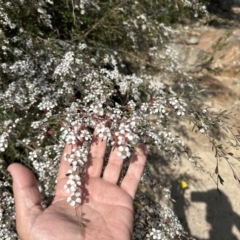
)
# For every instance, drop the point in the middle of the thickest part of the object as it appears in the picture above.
(162, 217)
(3, 142)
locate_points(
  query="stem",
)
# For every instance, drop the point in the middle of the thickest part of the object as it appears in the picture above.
(103, 18)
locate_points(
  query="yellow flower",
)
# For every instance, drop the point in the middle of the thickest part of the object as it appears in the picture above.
(184, 184)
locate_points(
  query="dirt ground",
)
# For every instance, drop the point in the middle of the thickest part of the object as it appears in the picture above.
(205, 213)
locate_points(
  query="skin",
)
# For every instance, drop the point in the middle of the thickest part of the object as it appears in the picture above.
(107, 209)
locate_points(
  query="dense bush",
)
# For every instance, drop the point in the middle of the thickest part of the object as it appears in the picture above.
(68, 66)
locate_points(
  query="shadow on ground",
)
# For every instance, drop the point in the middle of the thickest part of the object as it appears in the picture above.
(219, 212)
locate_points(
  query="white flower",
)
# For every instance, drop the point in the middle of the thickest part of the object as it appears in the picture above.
(133, 122)
(124, 128)
(71, 139)
(155, 233)
(124, 85)
(103, 132)
(65, 66)
(70, 186)
(131, 104)
(35, 124)
(47, 104)
(121, 140)
(130, 136)
(123, 152)
(80, 156)
(32, 155)
(82, 46)
(100, 128)
(74, 199)
(97, 109)
(85, 135)
(133, 138)
(144, 107)
(67, 156)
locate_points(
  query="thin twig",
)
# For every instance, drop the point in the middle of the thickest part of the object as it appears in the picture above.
(103, 18)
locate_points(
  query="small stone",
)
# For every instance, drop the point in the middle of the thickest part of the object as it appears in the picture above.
(197, 24)
(236, 10)
(193, 40)
(204, 71)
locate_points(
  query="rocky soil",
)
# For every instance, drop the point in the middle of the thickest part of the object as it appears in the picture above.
(211, 54)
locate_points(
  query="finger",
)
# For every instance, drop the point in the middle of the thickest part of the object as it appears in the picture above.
(64, 163)
(96, 156)
(62, 171)
(114, 167)
(134, 173)
(27, 196)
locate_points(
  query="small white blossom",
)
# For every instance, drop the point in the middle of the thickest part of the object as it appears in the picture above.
(123, 152)
(71, 139)
(74, 199)
(85, 135)
(97, 109)
(155, 233)
(103, 132)
(70, 186)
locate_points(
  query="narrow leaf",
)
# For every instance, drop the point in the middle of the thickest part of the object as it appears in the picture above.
(234, 175)
(220, 179)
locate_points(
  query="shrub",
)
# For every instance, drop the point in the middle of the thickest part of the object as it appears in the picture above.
(68, 66)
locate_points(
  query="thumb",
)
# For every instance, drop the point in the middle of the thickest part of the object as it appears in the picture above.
(26, 194)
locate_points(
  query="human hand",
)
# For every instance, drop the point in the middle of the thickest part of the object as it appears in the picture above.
(106, 211)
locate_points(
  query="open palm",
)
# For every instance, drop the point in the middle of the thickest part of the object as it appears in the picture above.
(106, 211)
